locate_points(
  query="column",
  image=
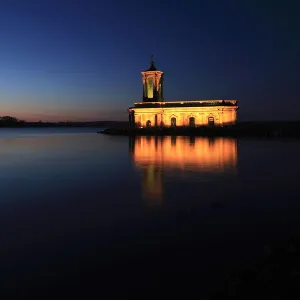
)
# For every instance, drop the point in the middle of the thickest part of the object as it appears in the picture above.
(158, 119)
(141, 120)
(201, 121)
(182, 120)
(136, 117)
(221, 118)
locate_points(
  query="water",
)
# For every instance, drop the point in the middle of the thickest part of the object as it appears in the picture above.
(96, 214)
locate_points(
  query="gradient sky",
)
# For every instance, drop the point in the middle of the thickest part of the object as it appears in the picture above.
(81, 60)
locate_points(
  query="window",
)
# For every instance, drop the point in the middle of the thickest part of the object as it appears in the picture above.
(173, 122)
(192, 122)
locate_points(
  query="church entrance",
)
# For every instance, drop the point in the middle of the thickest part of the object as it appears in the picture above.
(211, 121)
(192, 122)
(173, 122)
(148, 123)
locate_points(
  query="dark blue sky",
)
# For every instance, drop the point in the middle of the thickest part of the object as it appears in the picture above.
(81, 60)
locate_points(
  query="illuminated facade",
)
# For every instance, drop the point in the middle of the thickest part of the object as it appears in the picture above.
(154, 112)
(158, 158)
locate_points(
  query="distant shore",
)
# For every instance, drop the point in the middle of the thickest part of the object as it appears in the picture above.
(241, 129)
(96, 124)
(255, 129)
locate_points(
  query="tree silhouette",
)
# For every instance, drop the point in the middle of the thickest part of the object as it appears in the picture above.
(7, 120)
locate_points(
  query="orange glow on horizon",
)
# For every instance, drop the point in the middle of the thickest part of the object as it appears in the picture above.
(62, 116)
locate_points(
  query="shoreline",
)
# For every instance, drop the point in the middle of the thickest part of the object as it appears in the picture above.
(272, 129)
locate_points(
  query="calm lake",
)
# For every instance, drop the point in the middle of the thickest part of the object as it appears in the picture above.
(90, 214)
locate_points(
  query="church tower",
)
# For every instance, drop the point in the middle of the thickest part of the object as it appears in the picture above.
(152, 84)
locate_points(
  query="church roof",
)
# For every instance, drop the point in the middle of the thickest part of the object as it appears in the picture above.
(152, 66)
(195, 103)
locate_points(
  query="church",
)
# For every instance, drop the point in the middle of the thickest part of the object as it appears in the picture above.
(154, 112)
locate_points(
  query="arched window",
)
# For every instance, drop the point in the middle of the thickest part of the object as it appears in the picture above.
(192, 122)
(173, 122)
(148, 123)
(211, 121)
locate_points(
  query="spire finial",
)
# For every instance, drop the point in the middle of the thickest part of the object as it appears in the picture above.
(152, 66)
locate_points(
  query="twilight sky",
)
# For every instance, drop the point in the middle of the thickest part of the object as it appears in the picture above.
(81, 60)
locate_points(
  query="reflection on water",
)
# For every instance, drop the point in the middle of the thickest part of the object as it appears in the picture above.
(72, 215)
(158, 158)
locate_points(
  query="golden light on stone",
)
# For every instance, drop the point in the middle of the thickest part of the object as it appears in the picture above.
(217, 113)
(154, 112)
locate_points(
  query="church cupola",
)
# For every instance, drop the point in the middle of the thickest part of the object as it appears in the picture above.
(152, 84)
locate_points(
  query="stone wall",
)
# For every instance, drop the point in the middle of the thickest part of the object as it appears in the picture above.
(203, 116)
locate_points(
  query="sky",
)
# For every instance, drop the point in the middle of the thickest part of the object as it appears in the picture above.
(82, 60)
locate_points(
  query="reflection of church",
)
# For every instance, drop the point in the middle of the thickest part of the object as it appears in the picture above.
(157, 157)
(153, 111)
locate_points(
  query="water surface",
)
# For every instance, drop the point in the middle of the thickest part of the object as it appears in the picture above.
(104, 214)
